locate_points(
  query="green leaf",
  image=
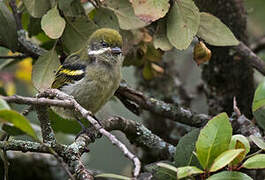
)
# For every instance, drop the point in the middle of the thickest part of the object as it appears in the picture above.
(239, 142)
(231, 175)
(183, 23)
(125, 14)
(8, 28)
(65, 5)
(214, 32)
(147, 71)
(259, 115)
(3, 104)
(77, 32)
(214, 139)
(106, 18)
(258, 106)
(53, 24)
(43, 72)
(160, 172)
(255, 162)
(34, 27)
(258, 141)
(160, 38)
(71, 8)
(18, 121)
(259, 97)
(37, 8)
(113, 176)
(225, 158)
(12, 130)
(63, 125)
(188, 171)
(182, 171)
(184, 155)
(150, 10)
(241, 138)
(167, 166)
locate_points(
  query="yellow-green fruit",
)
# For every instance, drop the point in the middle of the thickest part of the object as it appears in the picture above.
(201, 53)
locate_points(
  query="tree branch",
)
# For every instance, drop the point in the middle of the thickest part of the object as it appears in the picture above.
(46, 129)
(24, 146)
(259, 45)
(173, 112)
(16, 14)
(14, 57)
(25, 46)
(135, 132)
(73, 154)
(255, 61)
(138, 134)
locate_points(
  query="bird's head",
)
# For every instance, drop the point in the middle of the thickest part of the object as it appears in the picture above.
(106, 44)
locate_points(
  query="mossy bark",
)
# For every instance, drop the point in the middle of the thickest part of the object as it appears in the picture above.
(227, 75)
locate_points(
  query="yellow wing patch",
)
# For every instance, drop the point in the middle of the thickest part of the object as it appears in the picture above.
(72, 72)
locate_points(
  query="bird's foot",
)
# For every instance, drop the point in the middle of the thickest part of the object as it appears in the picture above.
(91, 132)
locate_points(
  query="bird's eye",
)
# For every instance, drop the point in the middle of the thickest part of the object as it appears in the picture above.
(104, 44)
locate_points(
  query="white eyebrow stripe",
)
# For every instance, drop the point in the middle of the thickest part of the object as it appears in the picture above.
(100, 51)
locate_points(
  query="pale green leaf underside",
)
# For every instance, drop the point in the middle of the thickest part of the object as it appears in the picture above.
(43, 72)
(182, 23)
(150, 10)
(188, 171)
(225, 158)
(37, 8)
(53, 24)
(125, 14)
(255, 162)
(113, 176)
(3, 104)
(230, 175)
(258, 141)
(214, 32)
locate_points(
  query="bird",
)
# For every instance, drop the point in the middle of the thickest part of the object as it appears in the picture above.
(93, 74)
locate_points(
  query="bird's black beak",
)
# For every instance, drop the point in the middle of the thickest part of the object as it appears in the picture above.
(116, 50)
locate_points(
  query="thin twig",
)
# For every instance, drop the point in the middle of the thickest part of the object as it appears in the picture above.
(255, 153)
(25, 46)
(14, 57)
(236, 109)
(6, 164)
(16, 14)
(37, 101)
(61, 162)
(5, 159)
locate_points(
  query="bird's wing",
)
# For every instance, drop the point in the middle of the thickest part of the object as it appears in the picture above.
(69, 72)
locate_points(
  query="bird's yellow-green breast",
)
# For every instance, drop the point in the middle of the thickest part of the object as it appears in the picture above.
(110, 36)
